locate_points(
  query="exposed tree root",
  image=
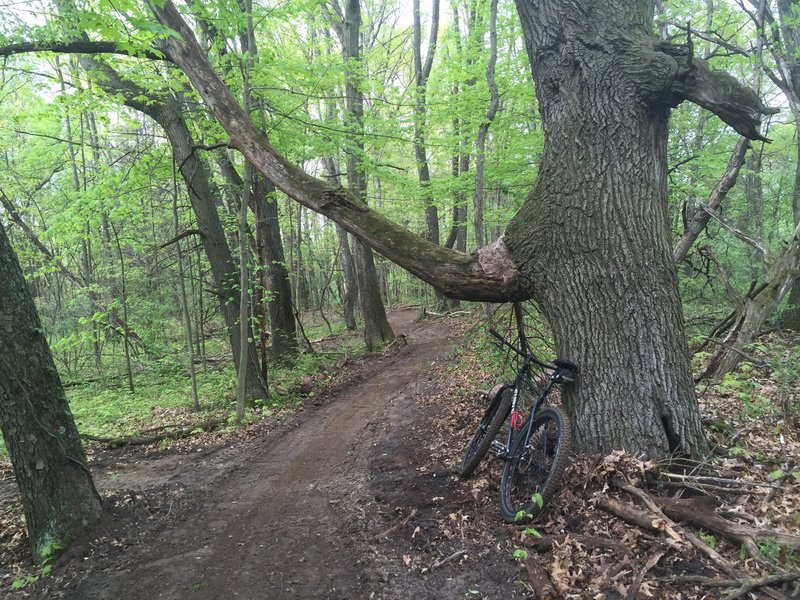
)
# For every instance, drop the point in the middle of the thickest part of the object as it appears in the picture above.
(540, 580)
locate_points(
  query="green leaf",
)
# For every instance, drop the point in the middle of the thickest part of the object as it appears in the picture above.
(520, 553)
(18, 584)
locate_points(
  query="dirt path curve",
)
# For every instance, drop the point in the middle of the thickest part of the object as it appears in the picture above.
(294, 514)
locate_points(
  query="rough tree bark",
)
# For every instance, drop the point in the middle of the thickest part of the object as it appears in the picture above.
(592, 242)
(58, 496)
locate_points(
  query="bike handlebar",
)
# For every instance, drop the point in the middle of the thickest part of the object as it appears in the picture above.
(569, 370)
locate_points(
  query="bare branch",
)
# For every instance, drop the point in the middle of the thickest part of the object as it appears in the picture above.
(718, 194)
(735, 231)
(180, 236)
(79, 47)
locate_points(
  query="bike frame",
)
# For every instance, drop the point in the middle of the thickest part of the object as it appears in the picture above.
(560, 373)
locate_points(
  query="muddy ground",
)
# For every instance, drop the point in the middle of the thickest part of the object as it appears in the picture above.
(347, 498)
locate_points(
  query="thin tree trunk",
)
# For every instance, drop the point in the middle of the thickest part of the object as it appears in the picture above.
(275, 274)
(244, 203)
(422, 73)
(350, 294)
(183, 298)
(346, 261)
(376, 326)
(789, 60)
(483, 130)
(124, 300)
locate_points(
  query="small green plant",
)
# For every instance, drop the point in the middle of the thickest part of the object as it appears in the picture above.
(49, 552)
(531, 531)
(520, 553)
(709, 539)
(525, 515)
(739, 451)
(771, 549)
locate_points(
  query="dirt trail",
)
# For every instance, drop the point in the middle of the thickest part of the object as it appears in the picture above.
(297, 512)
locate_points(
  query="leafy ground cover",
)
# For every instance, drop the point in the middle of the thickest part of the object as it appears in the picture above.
(626, 528)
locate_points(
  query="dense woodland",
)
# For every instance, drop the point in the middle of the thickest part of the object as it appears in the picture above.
(193, 193)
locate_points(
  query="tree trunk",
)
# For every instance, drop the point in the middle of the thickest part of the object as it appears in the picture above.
(593, 237)
(183, 297)
(483, 131)
(58, 496)
(790, 319)
(421, 75)
(349, 292)
(376, 326)
(275, 274)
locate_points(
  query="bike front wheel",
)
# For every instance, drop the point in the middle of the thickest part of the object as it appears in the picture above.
(535, 466)
(486, 432)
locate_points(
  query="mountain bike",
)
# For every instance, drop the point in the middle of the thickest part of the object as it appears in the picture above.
(535, 449)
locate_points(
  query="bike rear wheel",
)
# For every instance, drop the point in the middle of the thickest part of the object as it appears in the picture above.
(535, 466)
(486, 432)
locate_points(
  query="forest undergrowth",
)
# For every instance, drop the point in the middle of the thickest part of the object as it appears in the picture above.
(621, 527)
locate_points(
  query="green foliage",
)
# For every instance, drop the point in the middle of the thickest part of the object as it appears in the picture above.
(48, 554)
(708, 538)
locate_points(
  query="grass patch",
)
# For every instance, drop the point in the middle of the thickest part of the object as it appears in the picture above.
(162, 394)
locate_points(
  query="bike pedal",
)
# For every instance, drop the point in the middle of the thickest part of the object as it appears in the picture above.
(497, 448)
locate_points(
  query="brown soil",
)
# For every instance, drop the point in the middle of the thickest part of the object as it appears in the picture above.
(316, 506)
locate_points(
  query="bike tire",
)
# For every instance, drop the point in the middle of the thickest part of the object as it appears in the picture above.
(536, 465)
(486, 433)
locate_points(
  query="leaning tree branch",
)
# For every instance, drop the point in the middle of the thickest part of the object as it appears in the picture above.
(79, 47)
(736, 232)
(487, 275)
(180, 236)
(700, 219)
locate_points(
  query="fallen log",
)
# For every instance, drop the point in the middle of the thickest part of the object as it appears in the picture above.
(743, 586)
(700, 511)
(726, 566)
(139, 440)
(545, 543)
